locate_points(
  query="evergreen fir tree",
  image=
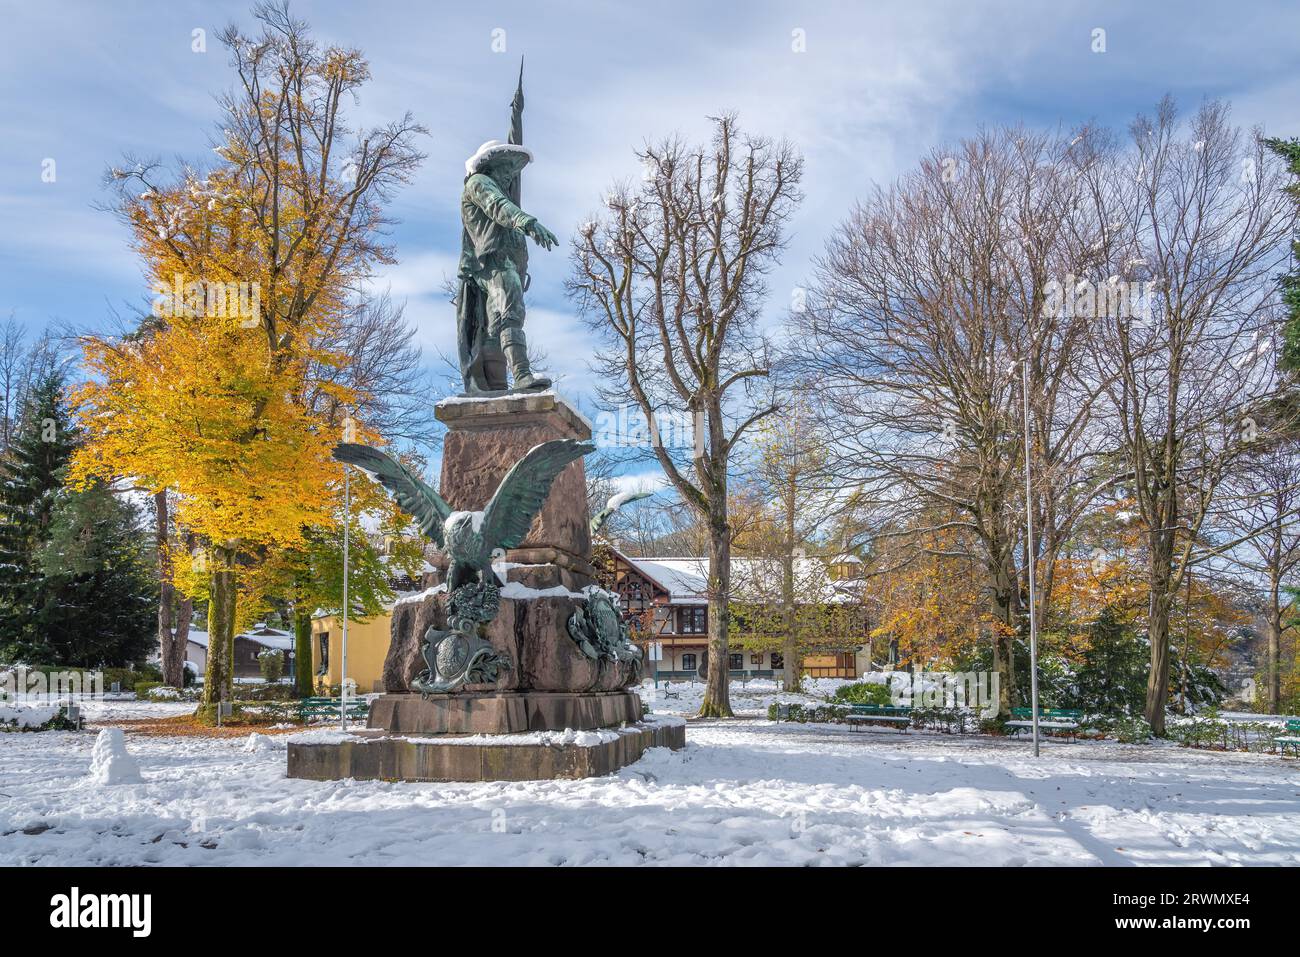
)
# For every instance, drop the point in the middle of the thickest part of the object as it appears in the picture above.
(31, 475)
(1289, 151)
(1112, 677)
(98, 594)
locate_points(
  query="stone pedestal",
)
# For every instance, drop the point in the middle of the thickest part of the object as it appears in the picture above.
(530, 631)
(503, 713)
(486, 437)
(370, 756)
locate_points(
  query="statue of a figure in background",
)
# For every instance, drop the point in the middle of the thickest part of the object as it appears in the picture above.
(493, 269)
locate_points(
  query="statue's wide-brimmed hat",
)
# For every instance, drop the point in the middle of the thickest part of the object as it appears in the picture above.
(492, 149)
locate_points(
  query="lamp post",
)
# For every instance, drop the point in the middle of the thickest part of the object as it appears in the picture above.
(349, 435)
(1030, 559)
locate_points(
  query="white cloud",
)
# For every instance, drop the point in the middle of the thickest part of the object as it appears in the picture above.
(653, 481)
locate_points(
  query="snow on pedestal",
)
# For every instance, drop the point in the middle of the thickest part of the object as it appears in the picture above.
(110, 762)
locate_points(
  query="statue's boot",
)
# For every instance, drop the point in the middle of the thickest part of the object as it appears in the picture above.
(516, 350)
(494, 370)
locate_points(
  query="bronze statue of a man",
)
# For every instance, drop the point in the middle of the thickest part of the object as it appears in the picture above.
(494, 272)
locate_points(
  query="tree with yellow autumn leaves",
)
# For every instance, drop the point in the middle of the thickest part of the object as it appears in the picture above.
(255, 264)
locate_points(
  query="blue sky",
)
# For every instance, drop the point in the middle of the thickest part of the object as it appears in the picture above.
(878, 85)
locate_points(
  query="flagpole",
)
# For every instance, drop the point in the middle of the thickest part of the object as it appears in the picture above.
(343, 668)
(349, 435)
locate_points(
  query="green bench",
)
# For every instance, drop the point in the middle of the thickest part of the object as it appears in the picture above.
(308, 708)
(899, 716)
(1292, 738)
(1049, 719)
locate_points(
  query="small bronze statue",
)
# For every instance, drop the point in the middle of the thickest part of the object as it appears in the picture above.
(493, 268)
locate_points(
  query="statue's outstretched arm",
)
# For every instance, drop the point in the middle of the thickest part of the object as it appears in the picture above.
(489, 197)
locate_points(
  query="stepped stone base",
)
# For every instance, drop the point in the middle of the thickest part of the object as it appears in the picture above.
(502, 713)
(372, 756)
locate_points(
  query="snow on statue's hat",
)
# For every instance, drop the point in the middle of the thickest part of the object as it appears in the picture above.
(490, 149)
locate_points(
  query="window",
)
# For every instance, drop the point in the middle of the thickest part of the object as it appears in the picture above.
(737, 663)
(324, 653)
(694, 620)
(778, 661)
(688, 662)
(756, 659)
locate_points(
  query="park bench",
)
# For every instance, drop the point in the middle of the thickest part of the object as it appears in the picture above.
(308, 708)
(1292, 738)
(1049, 719)
(900, 716)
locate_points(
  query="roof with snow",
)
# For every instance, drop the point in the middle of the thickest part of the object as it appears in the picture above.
(752, 579)
(259, 634)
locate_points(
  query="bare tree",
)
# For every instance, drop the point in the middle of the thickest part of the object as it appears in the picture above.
(13, 348)
(926, 301)
(1259, 517)
(672, 278)
(795, 508)
(385, 370)
(1199, 211)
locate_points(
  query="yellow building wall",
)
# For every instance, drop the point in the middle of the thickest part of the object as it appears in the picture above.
(367, 648)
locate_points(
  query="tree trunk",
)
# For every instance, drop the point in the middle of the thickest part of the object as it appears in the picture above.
(717, 697)
(1160, 579)
(171, 648)
(218, 680)
(1273, 664)
(302, 652)
(792, 665)
(1003, 607)
(1158, 633)
(792, 677)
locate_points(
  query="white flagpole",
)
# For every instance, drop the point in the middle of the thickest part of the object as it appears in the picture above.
(349, 435)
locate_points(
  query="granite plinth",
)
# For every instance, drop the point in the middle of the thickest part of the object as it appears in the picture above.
(371, 756)
(502, 713)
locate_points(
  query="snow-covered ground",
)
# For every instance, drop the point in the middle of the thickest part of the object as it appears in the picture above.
(743, 792)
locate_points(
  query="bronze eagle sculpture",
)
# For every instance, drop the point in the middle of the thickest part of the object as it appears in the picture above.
(471, 539)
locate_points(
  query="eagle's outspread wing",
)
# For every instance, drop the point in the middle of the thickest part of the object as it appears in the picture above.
(613, 505)
(411, 494)
(522, 492)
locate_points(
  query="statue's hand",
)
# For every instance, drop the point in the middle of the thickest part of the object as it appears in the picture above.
(541, 235)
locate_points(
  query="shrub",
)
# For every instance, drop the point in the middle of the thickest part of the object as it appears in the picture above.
(125, 677)
(811, 713)
(948, 720)
(16, 720)
(1216, 734)
(863, 692)
(995, 725)
(143, 688)
(271, 663)
(1132, 729)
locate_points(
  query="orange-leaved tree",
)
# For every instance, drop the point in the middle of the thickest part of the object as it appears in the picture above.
(253, 266)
